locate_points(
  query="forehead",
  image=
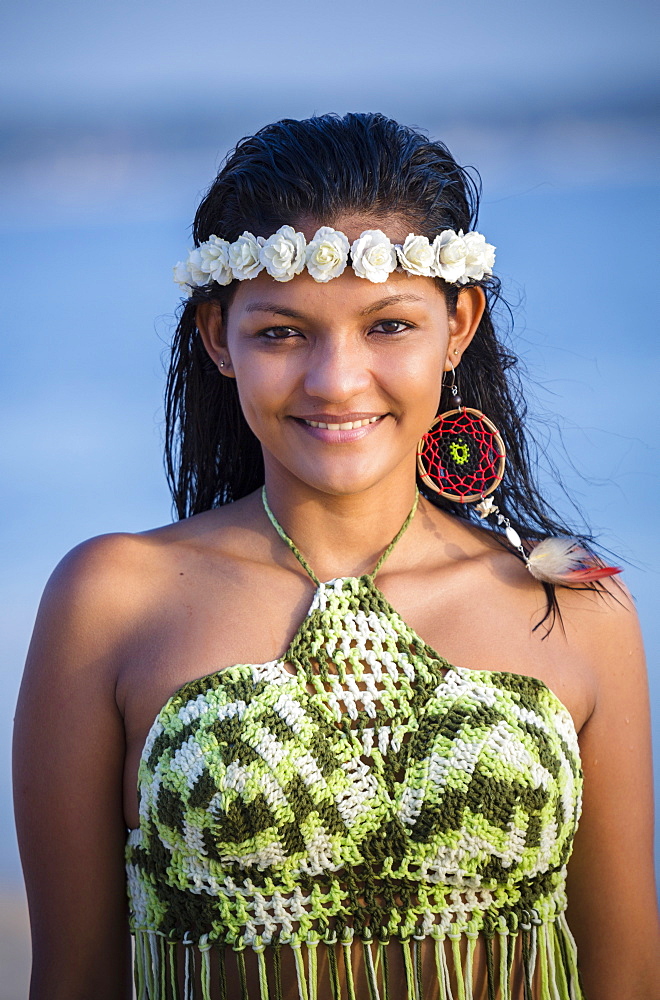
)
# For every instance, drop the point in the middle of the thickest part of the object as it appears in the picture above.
(348, 294)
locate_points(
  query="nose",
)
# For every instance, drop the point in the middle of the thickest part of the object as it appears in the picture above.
(337, 371)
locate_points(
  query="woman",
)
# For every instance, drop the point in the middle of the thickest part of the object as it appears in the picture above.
(317, 803)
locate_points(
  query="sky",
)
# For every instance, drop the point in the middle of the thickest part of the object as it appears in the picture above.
(113, 120)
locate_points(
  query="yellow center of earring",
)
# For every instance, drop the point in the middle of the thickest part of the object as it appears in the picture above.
(459, 452)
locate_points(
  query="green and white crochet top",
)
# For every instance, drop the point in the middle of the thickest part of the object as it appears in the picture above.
(358, 792)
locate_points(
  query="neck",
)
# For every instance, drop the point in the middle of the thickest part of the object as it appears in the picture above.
(341, 535)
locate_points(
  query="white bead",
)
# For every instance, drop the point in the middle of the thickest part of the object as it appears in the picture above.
(513, 537)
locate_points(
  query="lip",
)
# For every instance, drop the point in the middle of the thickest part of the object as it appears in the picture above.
(338, 418)
(335, 434)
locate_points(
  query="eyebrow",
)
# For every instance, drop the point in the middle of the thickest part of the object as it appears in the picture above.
(273, 307)
(279, 310)
(391, 300)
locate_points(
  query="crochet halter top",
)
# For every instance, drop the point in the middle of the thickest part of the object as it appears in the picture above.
(357, 793)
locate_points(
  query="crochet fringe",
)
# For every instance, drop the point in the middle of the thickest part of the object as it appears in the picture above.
(548, 951)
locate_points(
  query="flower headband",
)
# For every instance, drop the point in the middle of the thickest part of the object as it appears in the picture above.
(455, 257)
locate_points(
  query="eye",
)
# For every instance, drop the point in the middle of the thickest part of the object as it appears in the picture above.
(391, 326)
(278, 333)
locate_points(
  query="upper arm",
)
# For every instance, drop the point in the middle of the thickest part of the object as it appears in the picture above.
(611, 887)
(68, 760)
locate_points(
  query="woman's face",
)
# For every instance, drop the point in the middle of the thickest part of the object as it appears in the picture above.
(338, 381)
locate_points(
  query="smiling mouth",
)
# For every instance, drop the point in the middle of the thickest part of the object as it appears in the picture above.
(348, 425)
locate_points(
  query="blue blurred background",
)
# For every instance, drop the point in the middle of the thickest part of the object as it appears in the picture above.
(114, 119)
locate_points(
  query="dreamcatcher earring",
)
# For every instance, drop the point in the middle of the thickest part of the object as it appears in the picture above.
(462, 458)
(462, 455)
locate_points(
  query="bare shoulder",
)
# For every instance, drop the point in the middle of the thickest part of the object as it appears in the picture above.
(605, 625)
(118, 573)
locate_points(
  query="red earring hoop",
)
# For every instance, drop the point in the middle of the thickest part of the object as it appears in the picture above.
(462, 455)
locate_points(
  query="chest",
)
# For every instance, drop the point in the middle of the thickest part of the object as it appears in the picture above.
(204, 623)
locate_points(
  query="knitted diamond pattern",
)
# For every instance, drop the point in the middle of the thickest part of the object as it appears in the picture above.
(360, 785)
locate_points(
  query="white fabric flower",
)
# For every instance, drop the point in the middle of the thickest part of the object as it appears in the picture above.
(198, 276)
(480, 257)
(450, 254)
(327, 254)
(416, 255)
(373, 256)
(183, 277)
(283, 255)
(243, 256)
(215, 260)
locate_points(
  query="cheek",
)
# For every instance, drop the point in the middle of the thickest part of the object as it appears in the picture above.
(422, 377)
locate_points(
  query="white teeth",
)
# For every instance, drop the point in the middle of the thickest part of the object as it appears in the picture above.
(348, 426)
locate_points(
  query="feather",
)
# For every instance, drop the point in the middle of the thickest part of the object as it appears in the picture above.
(566, 561)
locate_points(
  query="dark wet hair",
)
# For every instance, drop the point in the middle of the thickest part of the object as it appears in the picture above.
(319, 169)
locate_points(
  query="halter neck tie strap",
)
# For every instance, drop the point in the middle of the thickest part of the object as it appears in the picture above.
(301, 559)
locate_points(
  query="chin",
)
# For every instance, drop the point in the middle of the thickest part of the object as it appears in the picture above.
(342, 482)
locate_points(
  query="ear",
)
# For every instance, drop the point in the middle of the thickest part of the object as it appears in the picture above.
(208, 319)
(463, 323)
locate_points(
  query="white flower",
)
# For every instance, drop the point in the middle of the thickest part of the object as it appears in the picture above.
(215, 260)
(327, 254)
(183, 277)
(283, 255)
(243, 256)
(198, 276)
(450, 254)
(480, 257)
(416, 255)
(373, 256)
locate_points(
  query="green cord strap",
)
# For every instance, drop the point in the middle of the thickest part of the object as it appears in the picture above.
(458, 965)
(171, 947)
(370, 970)
(205, 949)
(469, 963)
(348, 968)
(490, 967)
(242, 976)
(396, 538)
(161, 967)
(382, 953)
(526, 957)
(264, 993)
(333, 971)
(301, 559)
(277, 969)
(222, 973)
(543, 963)
(154, 963)
(312, 946)
(419, 987)
(505, 982)
(300, 970)
(186, 972)
(139, 967)
(408, 966)
(569, 949)
(285, 538)
(441, 966)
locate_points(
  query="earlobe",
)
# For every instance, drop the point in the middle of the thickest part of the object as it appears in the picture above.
(463, 324)
(208, 319)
